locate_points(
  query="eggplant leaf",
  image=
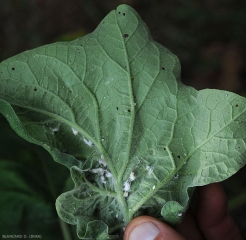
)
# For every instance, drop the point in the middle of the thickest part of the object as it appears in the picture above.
(111, 107)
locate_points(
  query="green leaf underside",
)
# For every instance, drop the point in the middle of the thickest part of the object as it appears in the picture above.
(110, 106)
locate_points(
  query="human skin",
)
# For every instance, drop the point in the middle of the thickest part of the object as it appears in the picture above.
(211, 221)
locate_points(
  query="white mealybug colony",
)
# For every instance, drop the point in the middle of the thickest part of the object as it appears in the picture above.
(103, 173)
(149, 170)
(75, 132)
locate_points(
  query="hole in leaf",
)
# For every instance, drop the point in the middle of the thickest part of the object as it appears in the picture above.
(236, 105)
(178, 156)
(117, 108)
(163, 68)
(124, 14)
(129, 110)
(126, 35)
(13, 68)
(35, 89)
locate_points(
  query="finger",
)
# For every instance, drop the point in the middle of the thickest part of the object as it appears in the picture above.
(149, 228)
(189, 228)
(212, 215)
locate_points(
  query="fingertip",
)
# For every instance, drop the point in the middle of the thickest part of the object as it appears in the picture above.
(212, 205)
(212, 214)
(149, 228)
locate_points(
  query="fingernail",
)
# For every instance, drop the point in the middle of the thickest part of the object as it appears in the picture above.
(145, 231)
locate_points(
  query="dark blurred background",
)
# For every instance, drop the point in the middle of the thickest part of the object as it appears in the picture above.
(208, 37)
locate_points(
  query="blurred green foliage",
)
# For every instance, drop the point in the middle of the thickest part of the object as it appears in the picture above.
(30, 183)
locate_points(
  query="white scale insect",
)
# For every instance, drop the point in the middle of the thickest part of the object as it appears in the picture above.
(88, 142)
(75, 132)
(127, 187)
(108, 174)
(102, 161)
(132, 176)
(127, 184)
(55, 129)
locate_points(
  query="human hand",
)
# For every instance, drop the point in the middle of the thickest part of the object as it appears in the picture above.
(211, 221)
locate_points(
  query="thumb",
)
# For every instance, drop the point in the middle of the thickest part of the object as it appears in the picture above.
(149, 228)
